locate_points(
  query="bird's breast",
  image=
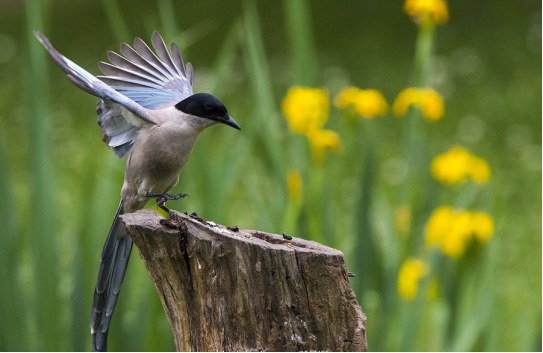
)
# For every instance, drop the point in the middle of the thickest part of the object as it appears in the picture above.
(158, 156)
(167, 149)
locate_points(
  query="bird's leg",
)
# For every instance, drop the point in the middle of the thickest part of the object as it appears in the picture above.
(161, 203)
(166, 196)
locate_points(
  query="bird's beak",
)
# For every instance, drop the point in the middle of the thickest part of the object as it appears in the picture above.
(231, 122)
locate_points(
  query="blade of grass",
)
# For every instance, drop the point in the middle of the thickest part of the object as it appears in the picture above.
(167, 12)
(299, 33)
(263, 129)
(41, 163)
(12, 337)
(116, 21)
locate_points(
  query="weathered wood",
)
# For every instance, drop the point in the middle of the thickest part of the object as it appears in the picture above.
(243, 290)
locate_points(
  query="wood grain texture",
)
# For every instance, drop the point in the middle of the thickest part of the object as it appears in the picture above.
(228, 290)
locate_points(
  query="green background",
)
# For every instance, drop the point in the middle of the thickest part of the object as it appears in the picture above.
(60, 185)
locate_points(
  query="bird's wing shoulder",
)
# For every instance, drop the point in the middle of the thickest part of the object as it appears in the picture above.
(153, 82)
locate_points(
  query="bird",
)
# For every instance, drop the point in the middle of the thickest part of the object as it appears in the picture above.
(148, 114)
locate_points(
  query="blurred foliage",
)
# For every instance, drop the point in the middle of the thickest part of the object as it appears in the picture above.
(372, 199)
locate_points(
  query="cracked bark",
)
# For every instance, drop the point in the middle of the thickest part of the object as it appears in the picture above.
(227, 290)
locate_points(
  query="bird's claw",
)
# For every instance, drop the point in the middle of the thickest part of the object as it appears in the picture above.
(175, 197)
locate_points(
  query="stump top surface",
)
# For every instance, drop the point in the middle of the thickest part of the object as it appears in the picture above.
(150, 219)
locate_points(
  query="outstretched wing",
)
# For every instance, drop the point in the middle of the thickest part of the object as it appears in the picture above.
(90, 84)
(151, 81)
(119, 116)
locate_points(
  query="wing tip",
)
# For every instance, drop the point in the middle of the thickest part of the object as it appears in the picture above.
(138, 41)
(43, 39)
(156, 35)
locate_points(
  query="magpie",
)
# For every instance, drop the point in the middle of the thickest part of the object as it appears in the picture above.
(147, 113)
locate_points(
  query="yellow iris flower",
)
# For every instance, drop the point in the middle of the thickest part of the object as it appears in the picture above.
(306, 108)
(410, 273)
(426, 99)
(457, 164)
(322, 140)
(451, 230)
(367, 103)
(427, 12)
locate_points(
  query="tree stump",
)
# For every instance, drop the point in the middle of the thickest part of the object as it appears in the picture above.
(225, 289)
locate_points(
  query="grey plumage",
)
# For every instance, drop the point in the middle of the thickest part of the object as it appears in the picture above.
(145, 114)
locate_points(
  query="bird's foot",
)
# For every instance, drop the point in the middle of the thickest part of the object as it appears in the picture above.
(163, 197)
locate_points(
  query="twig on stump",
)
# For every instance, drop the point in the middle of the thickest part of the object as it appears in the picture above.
(225, 289)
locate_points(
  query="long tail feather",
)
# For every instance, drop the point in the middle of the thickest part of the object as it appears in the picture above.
(115, 256)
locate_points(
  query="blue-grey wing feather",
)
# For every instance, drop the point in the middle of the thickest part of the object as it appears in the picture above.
(122, 81)
(137, 59)
(190, 74)
(148, 55)
(177, 58)
(112, 70)
(160, 48)
(150, 98)
(124, 63)
(118, 132)
(154, 82)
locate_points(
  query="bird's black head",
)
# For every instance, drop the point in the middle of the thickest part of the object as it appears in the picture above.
(206, 106)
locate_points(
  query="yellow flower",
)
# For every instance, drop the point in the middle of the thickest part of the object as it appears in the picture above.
(306, 108)
(368, 103)
(427, 99)
(479, 170)
(294, 185)
(437, 225)
(427, 11)
(431, 104)
(411, 272)
(452, 166)
(448, 229)
(452, 230)
(456, 164)
(346, 97)
(482, 226)
(320, 141)
(456, 239)
(406, 98)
